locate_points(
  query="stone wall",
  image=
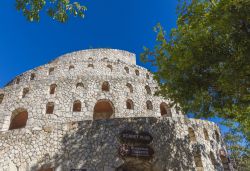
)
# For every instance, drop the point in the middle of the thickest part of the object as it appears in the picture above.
(93, 145)
(72, 69)
(68, 114)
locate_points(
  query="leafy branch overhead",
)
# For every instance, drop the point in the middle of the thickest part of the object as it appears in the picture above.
(57, 9)
(204, 63)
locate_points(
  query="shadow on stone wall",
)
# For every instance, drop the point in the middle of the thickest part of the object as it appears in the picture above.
(93, 145)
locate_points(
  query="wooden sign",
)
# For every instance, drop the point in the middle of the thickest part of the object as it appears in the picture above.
(136, 151)
(131, 136)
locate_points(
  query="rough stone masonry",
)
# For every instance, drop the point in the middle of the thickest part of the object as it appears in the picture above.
(68, 115)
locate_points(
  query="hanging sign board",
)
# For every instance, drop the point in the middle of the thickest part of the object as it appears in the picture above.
(136, 151)
(131, 136)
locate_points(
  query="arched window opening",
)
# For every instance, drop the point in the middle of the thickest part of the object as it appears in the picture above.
(51, 70)
(126, 69)
(205, 134)
(198, 161)
(149, 105)
(130, 87)
(105, 86)
(71, 67)
(137, 72)
(103, 109)
(77, 106)
(18, 119)
(25, 92)
(212, 158)
(17, 80)
(191, 134)
(110, 67)
(225, 162)
(32, 76)
(79, 85)
(148, 90)
(90, 59)
(52, 88)
(1, 98)
(165, 110)
(130, 104)
(91, 66)
(147, 76)
(50, 108)
(217, 137)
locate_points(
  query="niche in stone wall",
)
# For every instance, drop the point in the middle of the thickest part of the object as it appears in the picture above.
(198, 161)
(51, 70)
(77, 106)
(79, 85)
(191, 134)
(147, 76)
(32, 76)
(103, 109)
(105, 86)
(130, 87)
(1, 98)
(137, 72)
(52, 88)
(90, 66)
(205, 134)
(126, 69)
(25, 92)
(148, 90)
(105, 59)
(17, 80)
(165, 110)
(71, 67)
(149, 105)
(110, 67)
(217, 137)
(50, 108)
(18, 119)
(130, 104)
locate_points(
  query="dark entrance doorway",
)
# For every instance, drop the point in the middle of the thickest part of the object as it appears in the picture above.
(18, 119)
(103, 109)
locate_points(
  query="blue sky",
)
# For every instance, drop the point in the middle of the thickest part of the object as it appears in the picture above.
(120, 24)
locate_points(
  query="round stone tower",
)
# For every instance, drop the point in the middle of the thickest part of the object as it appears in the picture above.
(96, 110)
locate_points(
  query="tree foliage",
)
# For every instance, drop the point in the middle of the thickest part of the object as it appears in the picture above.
(204, 63)
(237, 146)
(57, 9)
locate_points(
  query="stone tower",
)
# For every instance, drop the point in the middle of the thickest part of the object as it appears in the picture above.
(95, 110)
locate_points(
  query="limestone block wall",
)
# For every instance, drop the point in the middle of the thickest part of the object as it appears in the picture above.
(30, 91)
(50, 119)
(93, 145)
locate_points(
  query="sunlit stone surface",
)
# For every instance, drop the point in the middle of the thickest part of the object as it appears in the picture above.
(68, 114)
